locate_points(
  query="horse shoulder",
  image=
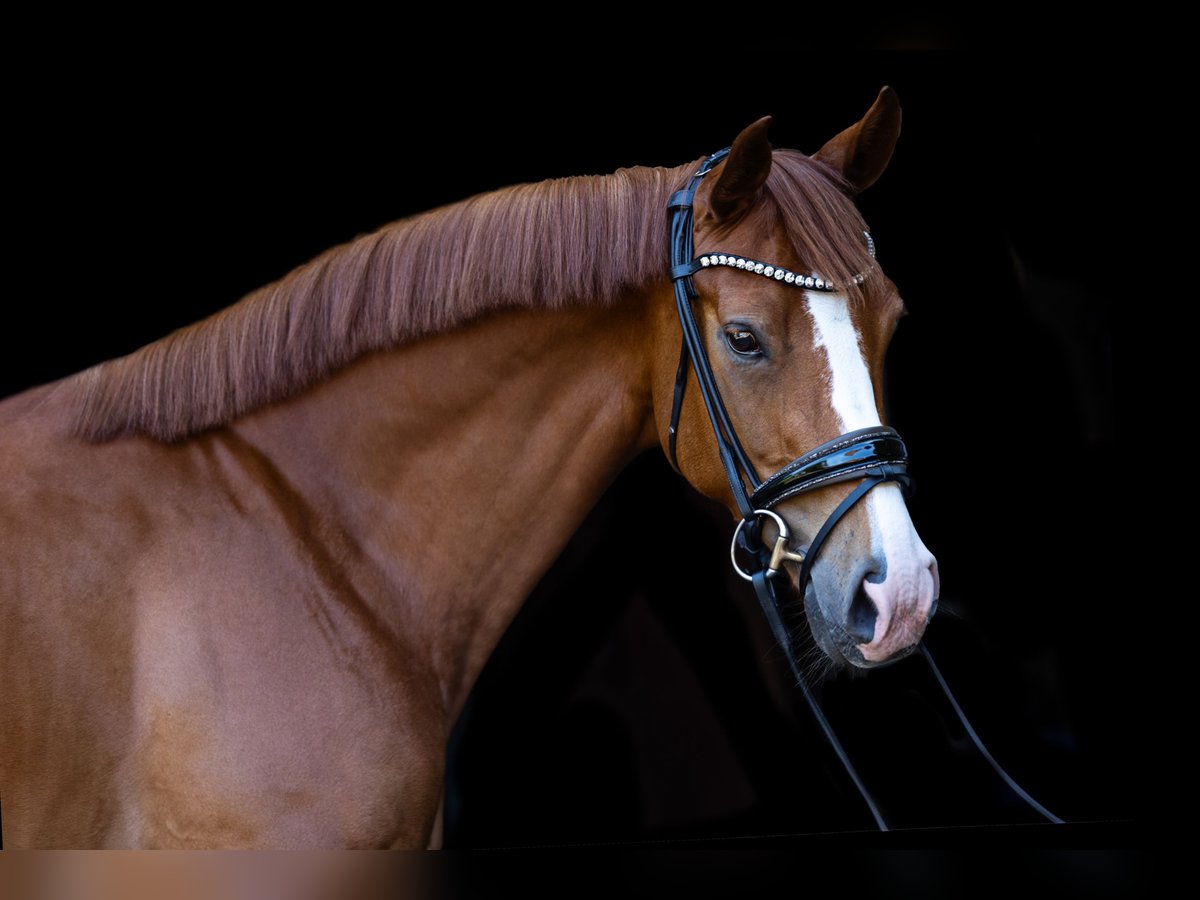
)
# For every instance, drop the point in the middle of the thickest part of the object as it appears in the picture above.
(160, 617)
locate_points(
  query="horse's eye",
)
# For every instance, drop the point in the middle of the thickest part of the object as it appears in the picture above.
(742, 342)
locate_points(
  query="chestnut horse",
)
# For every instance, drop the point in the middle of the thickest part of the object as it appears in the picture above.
(249, 573)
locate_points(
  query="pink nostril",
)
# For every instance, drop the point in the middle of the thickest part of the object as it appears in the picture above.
(937, 588)
(860, 618)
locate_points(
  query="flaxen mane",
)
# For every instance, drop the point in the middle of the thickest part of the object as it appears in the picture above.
(569, 241)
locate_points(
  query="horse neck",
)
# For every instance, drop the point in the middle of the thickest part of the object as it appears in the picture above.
(459, 466)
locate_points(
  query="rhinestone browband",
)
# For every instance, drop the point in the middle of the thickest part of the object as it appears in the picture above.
(807, 282)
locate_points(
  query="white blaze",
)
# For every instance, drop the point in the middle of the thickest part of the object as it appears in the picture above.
(892, 534)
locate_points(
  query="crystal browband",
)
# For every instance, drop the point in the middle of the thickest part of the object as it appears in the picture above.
(801, 281)
(778, 273)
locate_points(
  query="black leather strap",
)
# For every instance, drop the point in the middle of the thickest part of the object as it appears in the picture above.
(764, 590)
(681, 374)
(734, 460)
(768, 599)
(728, 447)
(818, 541)
(847, 457)
(685, 270)
(981, 747)
(683, 199)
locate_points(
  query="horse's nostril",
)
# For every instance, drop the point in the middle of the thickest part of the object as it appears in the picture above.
(860, 619)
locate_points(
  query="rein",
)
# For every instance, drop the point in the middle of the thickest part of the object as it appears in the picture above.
(873, 456)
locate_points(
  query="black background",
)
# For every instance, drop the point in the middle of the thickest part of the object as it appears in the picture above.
(636, 697)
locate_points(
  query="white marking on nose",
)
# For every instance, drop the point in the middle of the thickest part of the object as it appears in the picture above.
(906, 594)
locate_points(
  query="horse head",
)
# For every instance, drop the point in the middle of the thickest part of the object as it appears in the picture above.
(797, 358)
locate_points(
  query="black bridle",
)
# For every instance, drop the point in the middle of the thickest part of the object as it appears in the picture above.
(872, 456)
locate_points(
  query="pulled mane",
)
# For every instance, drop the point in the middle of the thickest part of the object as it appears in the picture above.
(559, 243)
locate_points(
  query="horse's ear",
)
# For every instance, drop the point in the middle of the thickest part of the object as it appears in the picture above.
(861, 152)
(745, 170)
